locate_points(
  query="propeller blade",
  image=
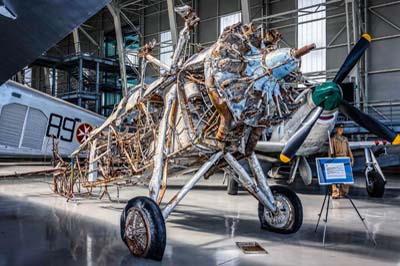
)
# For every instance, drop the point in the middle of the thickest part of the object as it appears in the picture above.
(369, 123)
(297, 139)
(352, 58)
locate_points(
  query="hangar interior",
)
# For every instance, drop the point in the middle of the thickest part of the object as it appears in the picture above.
(90, 129)
(333, 25)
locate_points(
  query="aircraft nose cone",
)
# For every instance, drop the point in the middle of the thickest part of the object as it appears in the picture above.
(328, 95)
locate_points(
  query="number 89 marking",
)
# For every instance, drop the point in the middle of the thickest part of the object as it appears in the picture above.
(63, 126)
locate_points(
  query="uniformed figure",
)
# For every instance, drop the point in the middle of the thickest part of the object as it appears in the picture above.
(339, 147)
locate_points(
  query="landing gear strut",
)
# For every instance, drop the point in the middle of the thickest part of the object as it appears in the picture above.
(233, 186)
(279, 208)
(143, 223)
(374, 178)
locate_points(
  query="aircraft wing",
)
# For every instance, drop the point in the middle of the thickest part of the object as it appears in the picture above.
(273, 147)
(355, 145)
(29, 28)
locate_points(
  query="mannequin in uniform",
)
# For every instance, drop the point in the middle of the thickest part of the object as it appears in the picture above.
(340, 148)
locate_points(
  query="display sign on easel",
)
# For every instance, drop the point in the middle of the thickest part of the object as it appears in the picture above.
(332, 171)
(336, 171)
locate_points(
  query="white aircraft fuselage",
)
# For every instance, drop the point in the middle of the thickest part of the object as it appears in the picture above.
(29, 119)
(315, 141)
(318, 136)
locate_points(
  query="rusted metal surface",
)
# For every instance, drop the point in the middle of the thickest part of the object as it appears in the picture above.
(137, 232)
(214, 104)
(34, 173)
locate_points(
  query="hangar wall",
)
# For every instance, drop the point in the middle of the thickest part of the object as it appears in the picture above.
(383, 59)
(384, 55)
(209, 11)
(378, 78)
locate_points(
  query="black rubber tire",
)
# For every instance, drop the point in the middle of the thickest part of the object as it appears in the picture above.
(377, 188)
(156, 225)
(295, 202)
(233, 186)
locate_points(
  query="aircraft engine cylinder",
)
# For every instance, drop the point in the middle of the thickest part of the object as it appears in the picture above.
(282, 62)
(191, 90)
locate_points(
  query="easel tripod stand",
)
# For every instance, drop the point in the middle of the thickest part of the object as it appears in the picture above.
(328, 195)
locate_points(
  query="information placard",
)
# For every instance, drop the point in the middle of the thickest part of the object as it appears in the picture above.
(334, 171)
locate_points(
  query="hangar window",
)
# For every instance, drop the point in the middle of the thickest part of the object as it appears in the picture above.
(228, 20)
(51, 80)
(166, 48)
(132, 44)
(28, 76)
(312, 29)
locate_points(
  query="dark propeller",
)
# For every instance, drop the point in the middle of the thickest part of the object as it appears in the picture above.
(297, 139)
(352, 58)
(368, 122)
(362, 119)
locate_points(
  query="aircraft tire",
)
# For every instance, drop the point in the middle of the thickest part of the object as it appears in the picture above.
(377, 187)
(232, 187)
(142, 228)
(290, 216)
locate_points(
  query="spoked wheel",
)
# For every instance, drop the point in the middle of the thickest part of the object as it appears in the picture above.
(289, 215)
(143, 228)
(375, 185)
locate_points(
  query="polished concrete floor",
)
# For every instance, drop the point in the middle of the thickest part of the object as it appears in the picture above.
(40, 228)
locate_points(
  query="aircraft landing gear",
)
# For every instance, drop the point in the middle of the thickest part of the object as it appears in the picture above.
(279, 208)
(232, 187)
(143, 228)
(375, 185)
(374, 178)
(143, 223)
(288, 217)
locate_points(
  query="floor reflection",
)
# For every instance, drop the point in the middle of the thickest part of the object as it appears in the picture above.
(202, 230)
(30, 235)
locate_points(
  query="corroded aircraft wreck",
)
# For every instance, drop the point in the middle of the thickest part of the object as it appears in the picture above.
(209, 111)
(206, 111)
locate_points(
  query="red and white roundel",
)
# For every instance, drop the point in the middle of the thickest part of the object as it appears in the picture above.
(83, 132)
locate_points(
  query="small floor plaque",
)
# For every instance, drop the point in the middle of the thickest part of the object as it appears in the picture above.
(251, 248)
